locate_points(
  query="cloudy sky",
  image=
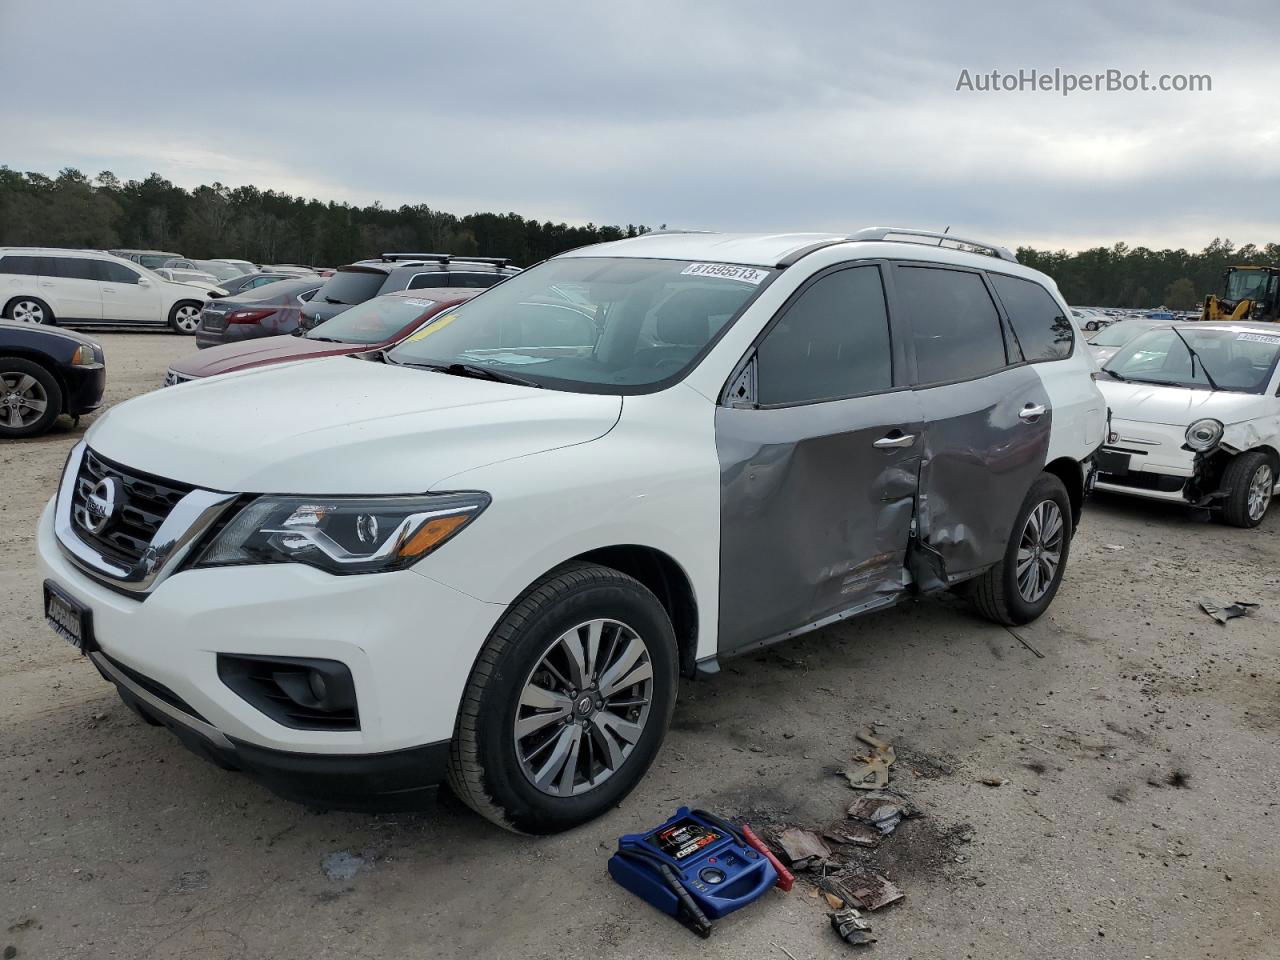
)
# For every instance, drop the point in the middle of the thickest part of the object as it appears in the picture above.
(713, 114)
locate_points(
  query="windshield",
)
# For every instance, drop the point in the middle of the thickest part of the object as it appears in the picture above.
(590, 323)
(1118, 334)
(373, 321)
(1246, 283)
(223, 271)
(153, 260)
(351, 286)
(1237, 360)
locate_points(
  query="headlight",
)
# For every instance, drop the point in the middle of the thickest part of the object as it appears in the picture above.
(343, 534)
(1204, 435)
(84, 356)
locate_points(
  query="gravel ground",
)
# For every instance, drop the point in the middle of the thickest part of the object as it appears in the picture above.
(1138, 818)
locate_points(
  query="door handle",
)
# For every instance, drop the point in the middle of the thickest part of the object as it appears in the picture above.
(1031, 411)
(891, 442)
(45, 283)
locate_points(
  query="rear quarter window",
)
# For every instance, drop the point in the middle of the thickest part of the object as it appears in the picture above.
(1040, 325)
(20, 265)
(351, 286)
(955, 327)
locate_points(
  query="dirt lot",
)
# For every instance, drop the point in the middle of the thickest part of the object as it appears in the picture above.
(1139, 818)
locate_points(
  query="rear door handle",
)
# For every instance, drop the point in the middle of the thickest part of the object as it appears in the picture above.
(1032, 410)
(892, 442)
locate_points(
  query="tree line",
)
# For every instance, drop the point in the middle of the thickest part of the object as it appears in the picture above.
(267, 226)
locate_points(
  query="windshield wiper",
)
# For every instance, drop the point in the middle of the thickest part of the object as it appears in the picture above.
(326, 339)
(1194, 357)
(1111, 373)
(331, 300)
(471, 370)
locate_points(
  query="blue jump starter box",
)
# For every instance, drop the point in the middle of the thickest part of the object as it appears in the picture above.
(695, 867)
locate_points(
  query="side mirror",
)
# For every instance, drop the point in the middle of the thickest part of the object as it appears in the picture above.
(144, 282)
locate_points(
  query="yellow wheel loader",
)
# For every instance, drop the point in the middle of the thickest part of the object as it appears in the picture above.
(1248, 293)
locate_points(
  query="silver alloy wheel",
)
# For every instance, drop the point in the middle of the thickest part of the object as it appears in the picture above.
(1260, 488)
(28, 311)
(22, 400)
(186, 318)
(583, 707)
(1039, 550)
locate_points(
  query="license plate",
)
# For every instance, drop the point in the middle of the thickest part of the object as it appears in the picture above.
(70, 620)
(1108, 461)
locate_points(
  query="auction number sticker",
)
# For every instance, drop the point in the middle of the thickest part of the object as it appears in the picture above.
(1258, 338)
(726, 271)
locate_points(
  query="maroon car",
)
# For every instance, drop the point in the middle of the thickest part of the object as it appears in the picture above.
(373, 325)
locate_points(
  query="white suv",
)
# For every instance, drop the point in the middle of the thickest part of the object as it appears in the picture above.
(86, 287)
(488, 554)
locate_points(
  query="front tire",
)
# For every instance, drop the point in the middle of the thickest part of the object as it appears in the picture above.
(1249, 481)
(567, 703)
(30, 398)
(1021, 586)
(184, 318)
(29, 310)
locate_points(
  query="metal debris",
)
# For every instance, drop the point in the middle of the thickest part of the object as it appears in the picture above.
(868, 890)
(853, 834)
(851, 928)
(883, 810)
(882, 749)
(1222, 612)
(803, 847)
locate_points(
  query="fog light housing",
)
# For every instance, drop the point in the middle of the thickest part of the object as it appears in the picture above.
(303, 693)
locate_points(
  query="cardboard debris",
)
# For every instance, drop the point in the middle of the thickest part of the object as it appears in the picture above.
(853, 834)
(867, 773)
(802, 847)
(882, 749)
(883, 810)
(868, 890)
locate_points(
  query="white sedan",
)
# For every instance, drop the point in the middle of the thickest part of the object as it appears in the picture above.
(1195, 418)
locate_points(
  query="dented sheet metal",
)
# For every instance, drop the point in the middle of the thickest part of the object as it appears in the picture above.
(815, 520)
(980, 458)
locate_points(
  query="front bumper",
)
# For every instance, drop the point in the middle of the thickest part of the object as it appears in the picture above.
(399, 779)
(408, 641)
(1155, 464)
(85, 386)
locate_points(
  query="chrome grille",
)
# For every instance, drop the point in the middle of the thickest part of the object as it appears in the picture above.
(144, 503)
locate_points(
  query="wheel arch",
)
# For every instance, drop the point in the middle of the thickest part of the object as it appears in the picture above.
(1071, 473)
(666, 579)
(41, 360)
(26, 296)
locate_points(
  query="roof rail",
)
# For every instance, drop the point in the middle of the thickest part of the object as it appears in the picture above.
(444, 258)
(438, 257)
(909, 235)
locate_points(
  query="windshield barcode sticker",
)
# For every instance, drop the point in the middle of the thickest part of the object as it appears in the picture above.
(1258, 338)
(726, 271)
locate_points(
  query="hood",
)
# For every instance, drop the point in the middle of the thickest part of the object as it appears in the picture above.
(252, 353)
(44, 329)
(1177, 406)
(341, 426)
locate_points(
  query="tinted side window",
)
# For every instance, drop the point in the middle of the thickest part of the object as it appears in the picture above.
(109, 272)
(73, 268)
(423, 280)
(473, 279)
(955, 326)
(1042, 329)
(23, 266)
(832, 342)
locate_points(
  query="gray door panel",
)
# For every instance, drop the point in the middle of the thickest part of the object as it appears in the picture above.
(815, 520)
(980, 458)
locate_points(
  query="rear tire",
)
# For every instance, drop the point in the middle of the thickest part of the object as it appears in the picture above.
(525, 680)
(1021, 586)
(29, 310)
(184, 318)
(30, 398)
(1249, 481)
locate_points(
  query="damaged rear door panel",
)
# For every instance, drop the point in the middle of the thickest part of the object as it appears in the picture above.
(987, 419)
(819, 449)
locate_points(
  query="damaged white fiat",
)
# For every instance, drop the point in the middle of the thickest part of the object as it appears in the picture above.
(1196, 418)
(488, 554)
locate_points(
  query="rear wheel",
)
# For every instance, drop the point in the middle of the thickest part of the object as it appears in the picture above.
(185, 317)
(567, 703)
(1249, 481)
(30, 398)
(29, 310)
(1022, 585)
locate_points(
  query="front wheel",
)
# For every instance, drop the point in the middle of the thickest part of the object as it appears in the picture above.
(30, 398)
(567, 703)
(1249, 481)
(1021, 586)
(185, 318)
(30, 310)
